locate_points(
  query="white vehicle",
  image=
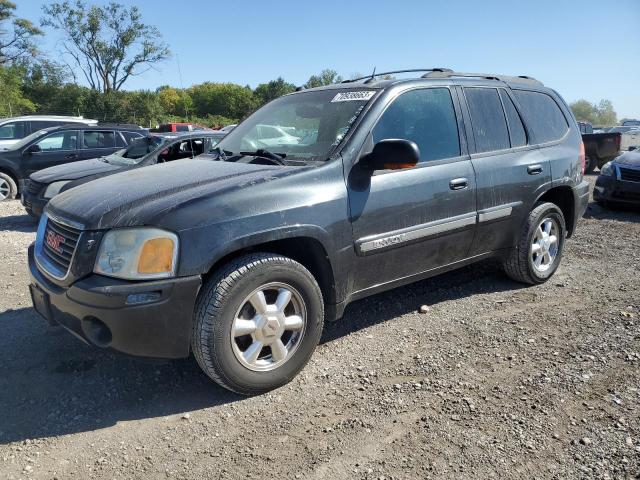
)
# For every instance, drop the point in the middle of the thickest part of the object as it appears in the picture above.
(14, 129)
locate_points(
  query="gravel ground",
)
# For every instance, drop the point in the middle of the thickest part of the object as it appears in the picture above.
(494, 381)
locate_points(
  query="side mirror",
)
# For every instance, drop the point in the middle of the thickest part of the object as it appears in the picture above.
(34, 148)
(391, 154)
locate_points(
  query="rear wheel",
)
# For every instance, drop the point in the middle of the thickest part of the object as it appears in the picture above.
(8, 187)
(257, 322)
(539, 250)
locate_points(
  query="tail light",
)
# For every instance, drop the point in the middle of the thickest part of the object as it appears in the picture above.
(582, 157)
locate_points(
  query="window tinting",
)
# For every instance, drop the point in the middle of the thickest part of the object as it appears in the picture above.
(426, 117)
(12, 131)
(542, 115)
(518, 134)
(487, 117)
(66, 140)
(99, 139)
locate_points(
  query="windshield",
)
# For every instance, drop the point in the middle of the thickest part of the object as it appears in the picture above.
(137, 150)
(26, 140)
(304, 126)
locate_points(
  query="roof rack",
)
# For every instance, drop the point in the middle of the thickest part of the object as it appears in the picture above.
(487, 76)
(372, 77)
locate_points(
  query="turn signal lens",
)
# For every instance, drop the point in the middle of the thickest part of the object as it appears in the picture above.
(156, 256)
(583, 159)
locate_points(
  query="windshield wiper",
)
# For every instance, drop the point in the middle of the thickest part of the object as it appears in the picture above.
(261, 152)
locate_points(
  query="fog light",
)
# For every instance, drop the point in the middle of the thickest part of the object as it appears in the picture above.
(146, 297)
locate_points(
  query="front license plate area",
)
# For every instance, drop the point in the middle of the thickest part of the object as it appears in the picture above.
(41, 302)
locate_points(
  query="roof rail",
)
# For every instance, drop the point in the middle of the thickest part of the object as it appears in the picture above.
(488, 76)
(371, 77)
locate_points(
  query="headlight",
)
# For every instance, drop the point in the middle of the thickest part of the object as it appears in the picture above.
(137, 254)
(608, 169)
(54, 189)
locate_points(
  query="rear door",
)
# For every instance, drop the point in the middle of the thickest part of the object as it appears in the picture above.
(510, 170)
(97, 143)
(54, 149)
(406, 222)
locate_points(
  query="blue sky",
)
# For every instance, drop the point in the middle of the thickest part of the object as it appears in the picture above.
(583, 48)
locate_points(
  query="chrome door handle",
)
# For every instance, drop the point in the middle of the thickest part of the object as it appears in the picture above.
(458, 183)
(534, 169)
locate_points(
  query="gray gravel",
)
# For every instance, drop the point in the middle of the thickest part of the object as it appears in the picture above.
(493, 380)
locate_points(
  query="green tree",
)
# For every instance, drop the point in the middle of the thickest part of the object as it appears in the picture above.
(584, 111)
(108, 44)
(174, 101)
(12, 100)
(265, 92)
(226, 99)
(596, 114)
(326, 77)
(17, 35)
(606, 114)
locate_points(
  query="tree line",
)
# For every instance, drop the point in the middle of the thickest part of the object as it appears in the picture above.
(105, 46)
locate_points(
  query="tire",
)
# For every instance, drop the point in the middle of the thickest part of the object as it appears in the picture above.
(520, 264)
(219, 341)
(8, 187)
(591, 164)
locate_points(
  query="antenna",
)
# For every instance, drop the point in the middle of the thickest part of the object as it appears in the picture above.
(372, 78)
(186, 114)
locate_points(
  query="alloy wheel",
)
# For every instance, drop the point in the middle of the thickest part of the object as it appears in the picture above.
(544, 247)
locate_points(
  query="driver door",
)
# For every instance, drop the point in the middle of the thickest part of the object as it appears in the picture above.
(406, 222)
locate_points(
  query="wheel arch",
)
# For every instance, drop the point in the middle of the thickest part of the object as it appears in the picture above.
(562, 196)
(305, 249)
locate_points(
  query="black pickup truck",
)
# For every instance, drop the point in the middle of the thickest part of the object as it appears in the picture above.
(600, 148)
(376, 184)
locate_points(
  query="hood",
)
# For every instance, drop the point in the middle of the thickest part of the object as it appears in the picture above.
(143, 195)
(73, 170)
(629, 159)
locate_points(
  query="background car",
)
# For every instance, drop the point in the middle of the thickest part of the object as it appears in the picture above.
(57, 145)
(178, 127)
(12, 130)
(154, 148)
(619, 181)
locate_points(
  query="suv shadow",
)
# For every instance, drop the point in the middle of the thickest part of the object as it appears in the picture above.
(18, 223)
(51, 384)
(621, 213)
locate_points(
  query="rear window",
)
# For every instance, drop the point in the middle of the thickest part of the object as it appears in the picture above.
(543, 115)
(516, 128)
(487, 118)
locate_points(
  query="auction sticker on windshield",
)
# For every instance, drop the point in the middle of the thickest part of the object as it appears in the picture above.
(353, 96)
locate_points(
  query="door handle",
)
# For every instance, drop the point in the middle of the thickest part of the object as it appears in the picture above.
(458, 183)
(534, 169)
(72, 155)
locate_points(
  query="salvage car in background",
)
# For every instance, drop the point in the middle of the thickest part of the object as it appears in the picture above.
(58, 145)
(599, 147)
(619, 181)
(155, 148)
(14, 129)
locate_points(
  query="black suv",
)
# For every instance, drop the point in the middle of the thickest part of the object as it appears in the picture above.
(154, 148)
(321, 197)
(57, 145)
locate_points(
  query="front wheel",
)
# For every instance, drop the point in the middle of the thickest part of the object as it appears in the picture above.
(8, 187)
(257, 322)
(539, 250)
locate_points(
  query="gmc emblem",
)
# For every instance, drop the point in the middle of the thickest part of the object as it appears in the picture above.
(55, 241)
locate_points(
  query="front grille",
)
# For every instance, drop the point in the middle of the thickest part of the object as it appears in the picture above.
(629, 175)
(34, 187)
(68, 237)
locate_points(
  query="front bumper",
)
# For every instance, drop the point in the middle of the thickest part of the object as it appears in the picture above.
(95, 309)
(33, 203)
(610, 189)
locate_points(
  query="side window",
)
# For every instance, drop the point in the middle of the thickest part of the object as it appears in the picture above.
(542, 115)
(426, 117)
(518, 134)
(99, 139)
(487, 118)
(130, 136)
(120, 141)
(40, 124)
(67, 140)
(12, 131)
